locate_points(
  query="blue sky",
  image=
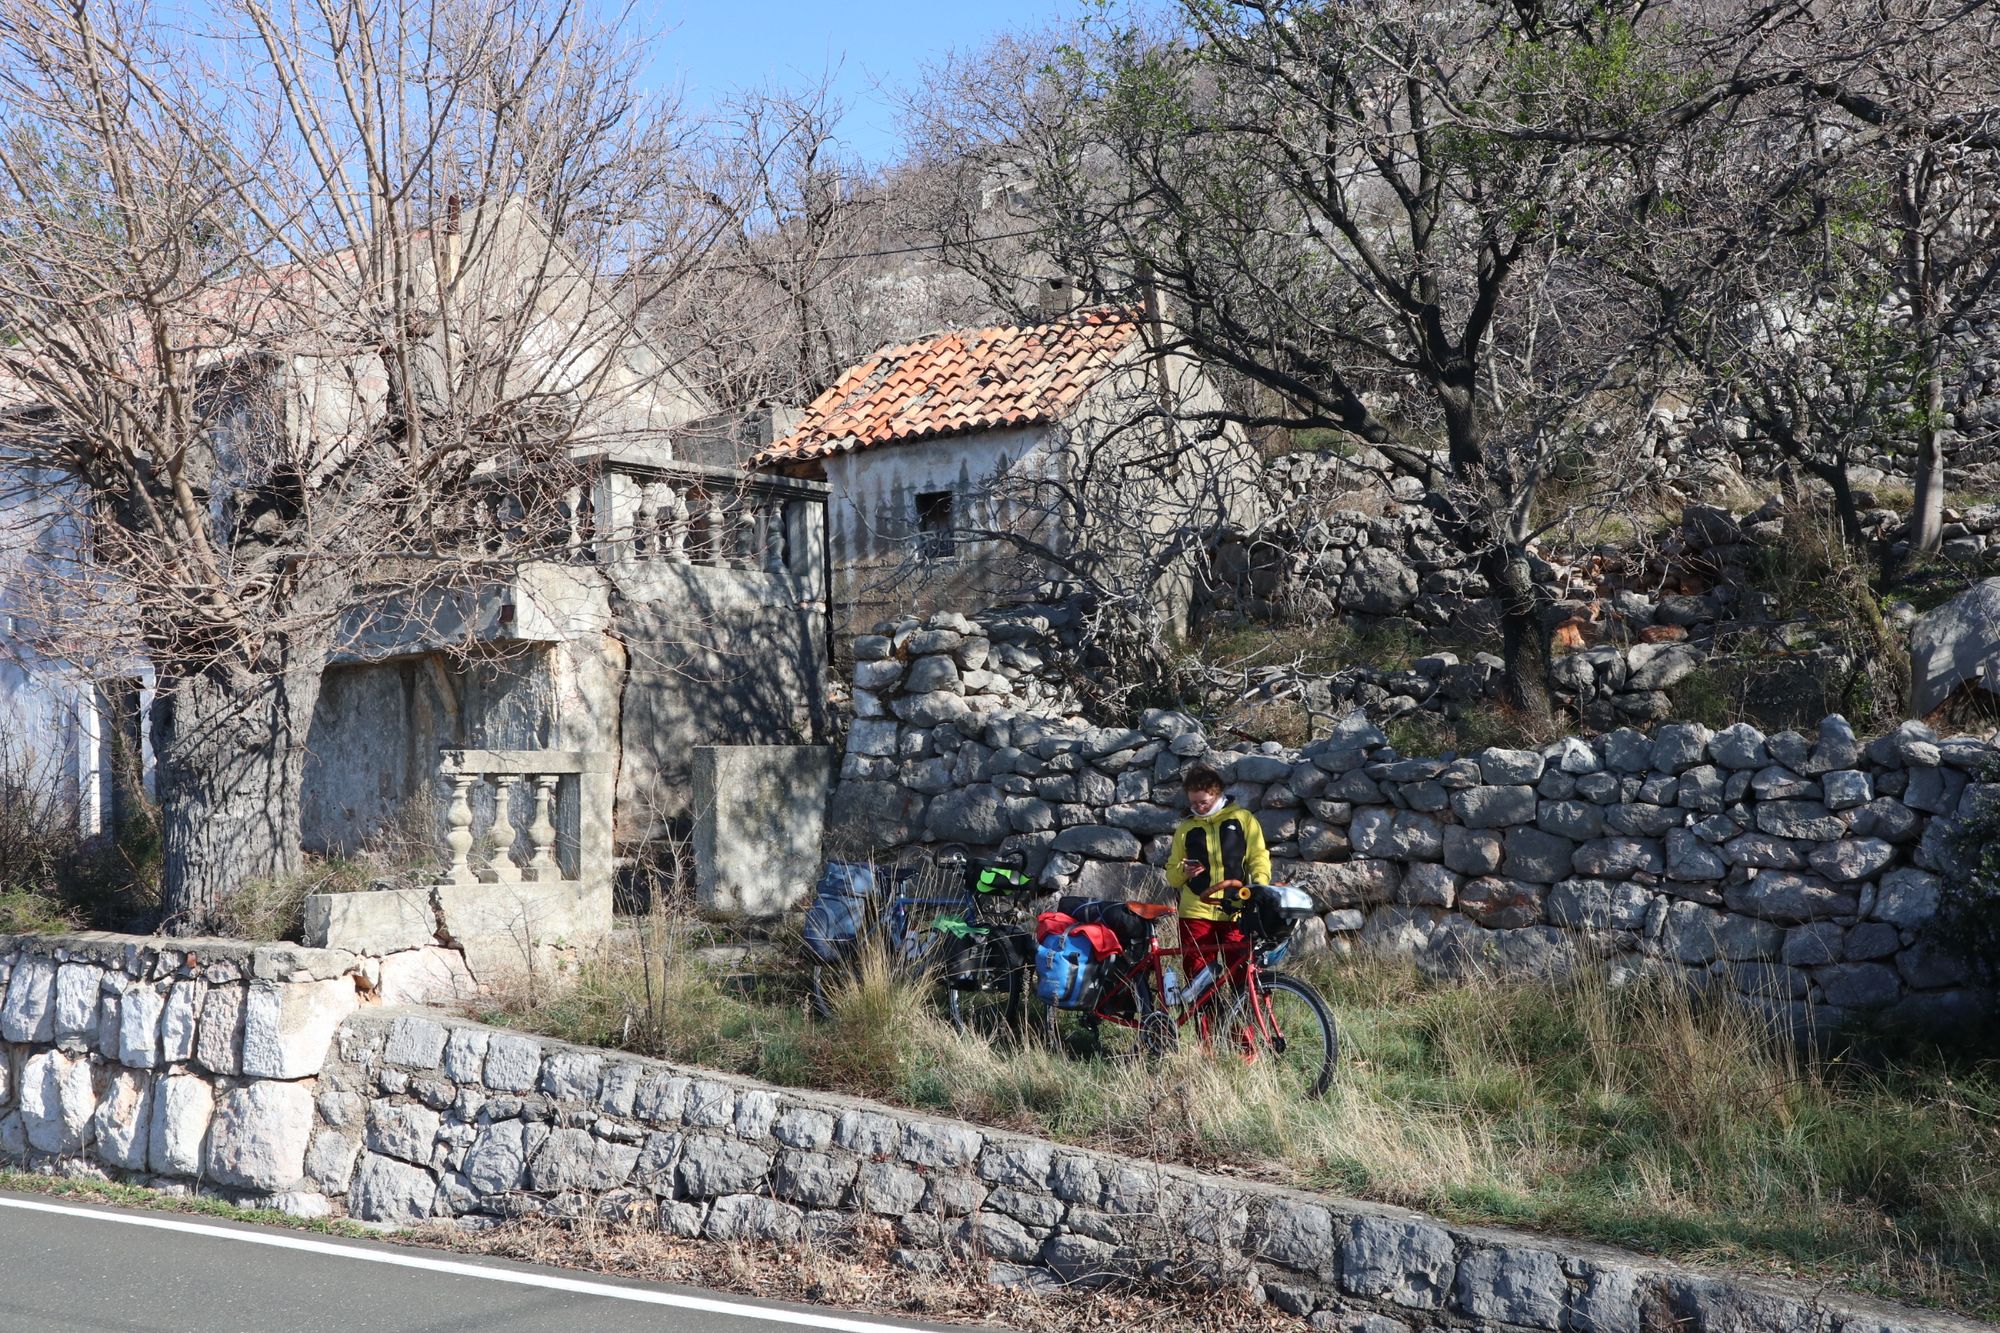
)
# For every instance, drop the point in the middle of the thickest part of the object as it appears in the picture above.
(711, 47)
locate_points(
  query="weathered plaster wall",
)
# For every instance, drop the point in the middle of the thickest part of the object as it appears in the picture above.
(759, 815)
(372, 753)
(871, 514)
(712, 657)
(1803, 871)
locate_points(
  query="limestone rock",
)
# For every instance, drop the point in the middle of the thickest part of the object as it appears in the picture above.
(1406, 1261)
(971, 815)
(57, 1101)
(513, 1064)
(259, 1135)
(1513, 1285)
(712, 1167)
(183, 1105)
(76, 1000)
(753, 1217)
(139, 1026)
(1952, 645)
(498, 1158)
(219, 1043)
(29, 1011)
(180, 1020)
(427, 975)
(403, 1130)
(288, 1026)
(1378, 583)
(124, 1118)
(386, 1190)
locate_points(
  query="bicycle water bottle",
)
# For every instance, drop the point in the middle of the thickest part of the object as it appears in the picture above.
(1198, 987)
(1170, 984)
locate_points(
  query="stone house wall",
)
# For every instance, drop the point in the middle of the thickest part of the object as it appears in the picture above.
(1800, 870)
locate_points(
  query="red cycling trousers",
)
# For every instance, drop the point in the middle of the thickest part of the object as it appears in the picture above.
(1203, 940)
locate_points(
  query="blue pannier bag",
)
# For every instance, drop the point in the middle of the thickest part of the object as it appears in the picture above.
(1068, 973)
(839, 907)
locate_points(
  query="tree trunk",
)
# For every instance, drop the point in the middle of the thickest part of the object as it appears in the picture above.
(1523, 646)
(230, 750)
(1927, 508)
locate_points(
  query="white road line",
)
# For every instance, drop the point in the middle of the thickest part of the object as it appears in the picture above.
(704, 1304)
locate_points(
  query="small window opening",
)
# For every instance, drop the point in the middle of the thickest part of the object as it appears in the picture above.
(934, 525)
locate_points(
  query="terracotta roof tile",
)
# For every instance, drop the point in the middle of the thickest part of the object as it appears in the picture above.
(957, 383)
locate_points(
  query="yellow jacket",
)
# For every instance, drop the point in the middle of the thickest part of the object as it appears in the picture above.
(1231, 837)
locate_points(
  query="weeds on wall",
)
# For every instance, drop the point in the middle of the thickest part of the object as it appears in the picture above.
(1824, 590)
(51, 877)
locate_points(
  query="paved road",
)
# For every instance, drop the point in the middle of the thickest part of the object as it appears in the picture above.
(67, 1266)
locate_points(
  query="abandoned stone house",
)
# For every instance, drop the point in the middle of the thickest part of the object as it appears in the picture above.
(685, 606)
(978, 467)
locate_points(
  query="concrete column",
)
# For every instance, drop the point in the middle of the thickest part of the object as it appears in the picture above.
(805, 544)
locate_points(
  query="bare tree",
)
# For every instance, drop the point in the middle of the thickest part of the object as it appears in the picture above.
(819, 263)
(1825, 254)
(300, 308)
(1389, 221)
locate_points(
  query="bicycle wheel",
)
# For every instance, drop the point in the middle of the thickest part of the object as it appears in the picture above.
(1295, 1031)
(990, 1011)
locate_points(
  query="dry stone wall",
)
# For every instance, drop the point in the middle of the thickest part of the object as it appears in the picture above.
(262, 1075)
(1800, 870)
(422, 1116)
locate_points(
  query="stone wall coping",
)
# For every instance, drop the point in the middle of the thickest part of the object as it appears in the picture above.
(278, 961)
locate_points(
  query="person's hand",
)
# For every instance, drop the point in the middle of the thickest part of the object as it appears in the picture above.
(1190, 866)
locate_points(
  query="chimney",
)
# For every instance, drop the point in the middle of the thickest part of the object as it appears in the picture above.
(1056, 297)
(775, 420)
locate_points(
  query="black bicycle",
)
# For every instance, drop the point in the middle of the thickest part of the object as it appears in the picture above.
(947, 923)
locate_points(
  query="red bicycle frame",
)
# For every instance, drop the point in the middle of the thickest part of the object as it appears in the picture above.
(1243, 978)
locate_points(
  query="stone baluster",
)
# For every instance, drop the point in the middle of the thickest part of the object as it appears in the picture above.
(718, 532)
(458, 830)
(674, 529)
(542, 867)
(771, 515)
(500, 867)
(745, 553)
(581, 514)
(645, 517)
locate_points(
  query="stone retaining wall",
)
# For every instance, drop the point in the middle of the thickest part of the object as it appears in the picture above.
(422, 1116)
(266, 1076)
(183, 1061)
(1801, 870)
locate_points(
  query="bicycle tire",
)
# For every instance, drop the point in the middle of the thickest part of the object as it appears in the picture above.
(987, 1013)
(1312, 1054)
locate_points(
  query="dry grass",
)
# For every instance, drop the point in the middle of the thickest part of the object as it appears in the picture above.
(1639, 1113)
(854, 1270)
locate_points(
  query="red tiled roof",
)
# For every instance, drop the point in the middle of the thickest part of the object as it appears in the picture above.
(956, 383)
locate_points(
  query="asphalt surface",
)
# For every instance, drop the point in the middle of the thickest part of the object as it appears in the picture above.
(70, 1266)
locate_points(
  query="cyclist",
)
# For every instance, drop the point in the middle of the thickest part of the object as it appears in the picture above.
(1217, 849)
